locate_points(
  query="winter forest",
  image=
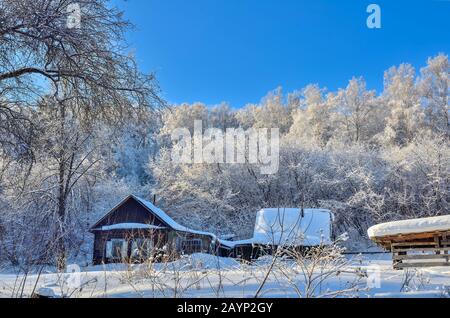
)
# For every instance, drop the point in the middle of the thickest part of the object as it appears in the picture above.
(82, 127)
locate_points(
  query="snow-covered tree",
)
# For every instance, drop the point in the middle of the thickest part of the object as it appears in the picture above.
(403, 102)
(435, 91)
(273, 112)
(357, 108)
(313, 119)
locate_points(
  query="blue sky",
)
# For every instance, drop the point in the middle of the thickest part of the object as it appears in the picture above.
(237, 50)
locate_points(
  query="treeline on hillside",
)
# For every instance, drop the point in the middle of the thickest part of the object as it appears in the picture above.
(369, 157)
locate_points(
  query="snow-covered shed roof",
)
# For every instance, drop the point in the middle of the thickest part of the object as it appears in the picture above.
(414, 226)
(287, 226)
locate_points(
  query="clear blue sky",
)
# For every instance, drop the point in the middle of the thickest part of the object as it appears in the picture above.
(237, 50)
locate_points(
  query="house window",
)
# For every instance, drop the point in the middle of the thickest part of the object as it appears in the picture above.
(191, 246)
(142, 248)
(116, 249)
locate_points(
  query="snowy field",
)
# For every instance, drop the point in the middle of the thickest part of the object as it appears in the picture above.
(208, 276)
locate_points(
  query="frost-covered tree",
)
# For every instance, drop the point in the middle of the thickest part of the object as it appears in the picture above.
(66, 157)
(403, 102)
(273, 112)
(132, 144)
(313, 119)
(222, 117)
(246, 116)
(435, 91)
(59, 84)
(356, 107)
(40, 49)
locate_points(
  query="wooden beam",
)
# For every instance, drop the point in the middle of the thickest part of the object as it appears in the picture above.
(420, 249)
(425, 264)
(428, 244)
(421, 257)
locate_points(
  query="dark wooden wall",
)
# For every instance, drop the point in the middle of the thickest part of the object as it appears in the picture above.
(159, 238)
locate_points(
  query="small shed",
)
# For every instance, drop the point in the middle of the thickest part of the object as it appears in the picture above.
(423, 242)
(286, 227)
(136, 230)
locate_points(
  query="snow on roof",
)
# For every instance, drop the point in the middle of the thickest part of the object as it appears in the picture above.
(168, 220)
(423, 225)
(131, 226)
(286, 226)
(232, 244)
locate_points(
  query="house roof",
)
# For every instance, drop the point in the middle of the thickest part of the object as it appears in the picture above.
(168, 220)
(287, 226)
(160, 214)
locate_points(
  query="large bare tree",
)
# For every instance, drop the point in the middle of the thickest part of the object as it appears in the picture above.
(75, 52)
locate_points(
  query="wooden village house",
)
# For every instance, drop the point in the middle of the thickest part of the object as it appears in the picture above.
(136, 230)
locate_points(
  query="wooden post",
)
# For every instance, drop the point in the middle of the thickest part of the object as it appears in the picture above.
(436, 241)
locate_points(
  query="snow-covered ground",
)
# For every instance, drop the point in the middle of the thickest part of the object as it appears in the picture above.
(208, 276)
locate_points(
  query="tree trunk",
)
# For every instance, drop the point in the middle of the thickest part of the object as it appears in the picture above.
(60, 244)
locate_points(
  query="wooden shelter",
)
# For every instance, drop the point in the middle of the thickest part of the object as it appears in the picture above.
(427, 249)
(415, 243)
(136, 230)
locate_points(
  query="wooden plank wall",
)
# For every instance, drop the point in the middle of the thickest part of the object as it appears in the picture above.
(422, 252)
